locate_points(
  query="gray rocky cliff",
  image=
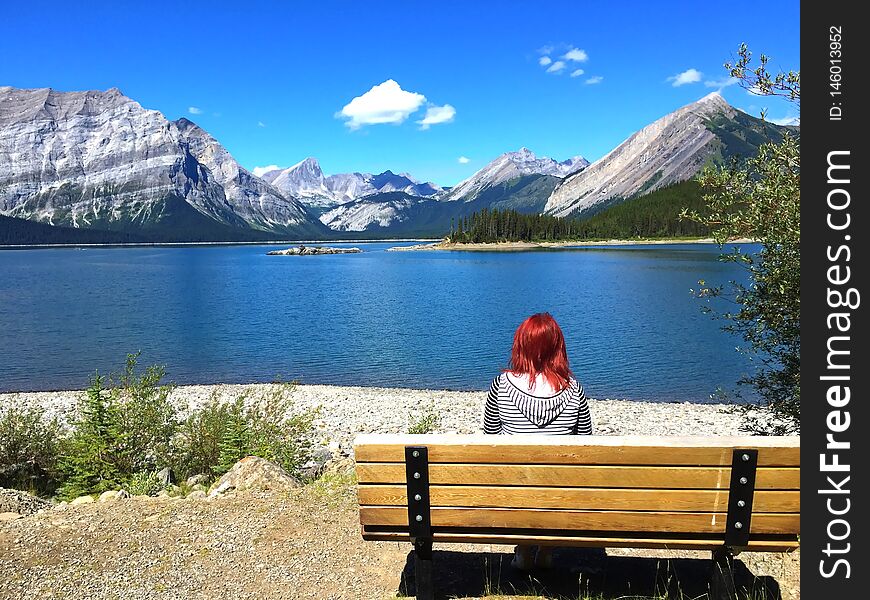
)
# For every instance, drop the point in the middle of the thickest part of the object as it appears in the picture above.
(99, 159)
(670, 150)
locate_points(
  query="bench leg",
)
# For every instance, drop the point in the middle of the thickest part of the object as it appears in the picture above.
(722, 579)
(423, 570)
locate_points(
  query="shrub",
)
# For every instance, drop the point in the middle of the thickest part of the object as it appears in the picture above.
(145, 483)
(278, 433)
(89, 460)
(213, 438)
(426, 422)
(29, 449)
(120, 431)
(235, 439)
(198, 442)
(146, 420)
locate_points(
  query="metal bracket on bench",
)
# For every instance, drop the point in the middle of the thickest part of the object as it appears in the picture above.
(417, 478)
(741, 492)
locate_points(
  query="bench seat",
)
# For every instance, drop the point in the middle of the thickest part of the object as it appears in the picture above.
(594, 491)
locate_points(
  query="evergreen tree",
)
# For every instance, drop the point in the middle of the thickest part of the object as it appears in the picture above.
(88, 461)
(235, 443)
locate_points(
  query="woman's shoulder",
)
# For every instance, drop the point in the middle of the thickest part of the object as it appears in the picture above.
(498, 381)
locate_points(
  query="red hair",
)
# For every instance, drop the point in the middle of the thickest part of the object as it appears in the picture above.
(539, 349)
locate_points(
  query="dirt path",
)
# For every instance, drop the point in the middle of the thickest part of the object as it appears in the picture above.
(306, 544)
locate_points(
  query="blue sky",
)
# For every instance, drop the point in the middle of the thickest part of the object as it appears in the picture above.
(275, 82)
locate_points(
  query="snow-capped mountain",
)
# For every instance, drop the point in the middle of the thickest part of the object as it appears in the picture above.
(306, 181)
(98, 159)
(671, 149)
(509, 166)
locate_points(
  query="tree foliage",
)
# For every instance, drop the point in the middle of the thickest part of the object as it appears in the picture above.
(760, 199)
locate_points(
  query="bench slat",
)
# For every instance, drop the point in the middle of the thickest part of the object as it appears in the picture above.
(671, 543)
(589, 498)
(770, 478)
(508, 451)
(581, 520)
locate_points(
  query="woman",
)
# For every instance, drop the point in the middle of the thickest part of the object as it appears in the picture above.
(537, 394)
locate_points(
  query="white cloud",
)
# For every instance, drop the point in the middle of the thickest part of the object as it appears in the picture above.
(437, 114)
(687, 76)
(544, 61)
(194, 110)
(463, 160)
(384, 103)
(722, 83)
(548, 49)
(576, 54)
(556, 67)
(755, 91)
(577, 72)
(786, 121)
(594, 79)
(260, 171)
(260, 124)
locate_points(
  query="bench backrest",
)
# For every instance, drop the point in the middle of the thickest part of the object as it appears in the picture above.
(637, 491)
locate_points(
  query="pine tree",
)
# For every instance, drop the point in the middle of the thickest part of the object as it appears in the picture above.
(89, 463)
(235, 442)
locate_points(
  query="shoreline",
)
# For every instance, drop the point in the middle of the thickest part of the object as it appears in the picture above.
(186, 244)
(346, 411)
(521, 246)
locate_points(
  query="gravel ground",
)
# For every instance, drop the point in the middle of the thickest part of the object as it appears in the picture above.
(306, 544)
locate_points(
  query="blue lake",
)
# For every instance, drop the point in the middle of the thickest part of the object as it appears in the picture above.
(430, 319)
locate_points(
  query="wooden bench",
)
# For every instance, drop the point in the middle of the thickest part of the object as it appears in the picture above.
(725, 494)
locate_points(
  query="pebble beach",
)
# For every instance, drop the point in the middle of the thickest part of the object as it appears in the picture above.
(346, 411)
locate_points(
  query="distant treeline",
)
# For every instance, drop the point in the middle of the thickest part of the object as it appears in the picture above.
(509, 225)
(656, 215)
(22, 232)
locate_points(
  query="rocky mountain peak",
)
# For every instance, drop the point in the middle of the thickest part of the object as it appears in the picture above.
(511, 165)
(47, 104)
(669, 150)
(94, 158)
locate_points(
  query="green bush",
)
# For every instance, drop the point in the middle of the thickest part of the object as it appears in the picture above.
(30, 447)
(126, 432)
(145, 483)
(198, 441)
(426, 422)
(89, 461)
(216, 436)
(146, 420)
(270, 429)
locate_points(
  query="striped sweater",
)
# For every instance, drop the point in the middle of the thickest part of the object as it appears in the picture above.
(510, 410)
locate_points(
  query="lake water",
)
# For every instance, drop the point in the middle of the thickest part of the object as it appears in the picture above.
(412, 319)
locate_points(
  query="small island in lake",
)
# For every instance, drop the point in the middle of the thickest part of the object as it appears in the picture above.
(302, 250)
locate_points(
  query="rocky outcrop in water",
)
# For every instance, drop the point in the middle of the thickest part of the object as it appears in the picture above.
(302, 250)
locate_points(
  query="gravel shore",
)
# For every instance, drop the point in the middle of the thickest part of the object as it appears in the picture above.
(346, 411)
(305, 543)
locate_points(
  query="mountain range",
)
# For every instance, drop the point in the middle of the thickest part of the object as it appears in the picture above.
(306, 182)
(100, 161)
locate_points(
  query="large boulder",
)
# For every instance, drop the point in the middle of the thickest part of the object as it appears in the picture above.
(15, 501)
(255, 474)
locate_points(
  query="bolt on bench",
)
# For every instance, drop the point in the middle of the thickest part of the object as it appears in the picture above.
(725, 494)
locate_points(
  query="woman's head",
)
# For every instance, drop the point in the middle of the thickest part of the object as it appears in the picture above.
(539, 349)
